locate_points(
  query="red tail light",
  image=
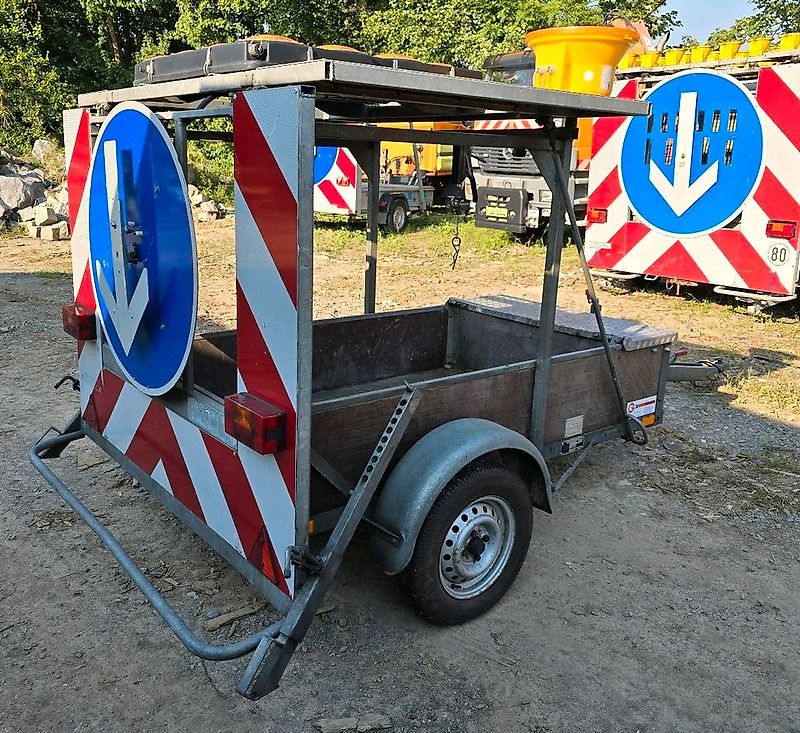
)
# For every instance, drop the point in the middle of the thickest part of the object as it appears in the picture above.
(597, 216)
(255, 422)
(781, 229)
(79, 322)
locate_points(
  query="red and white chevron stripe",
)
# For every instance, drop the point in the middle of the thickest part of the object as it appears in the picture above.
(78, 155)
(245, 498)
(737, 257)
(484, 125)
(338, 192)
(236, 493)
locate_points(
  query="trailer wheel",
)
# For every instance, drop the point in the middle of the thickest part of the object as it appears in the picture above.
(471, 545)
(396, 215)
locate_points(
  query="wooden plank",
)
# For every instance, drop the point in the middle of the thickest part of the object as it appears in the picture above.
(584, 387)
(346, 437)
(362, 349)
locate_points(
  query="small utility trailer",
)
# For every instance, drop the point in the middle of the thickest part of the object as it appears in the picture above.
(430, 428)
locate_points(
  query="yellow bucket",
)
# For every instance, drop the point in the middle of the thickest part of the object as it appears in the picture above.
(713, 56)
(789, 41)
(698, 54)
(649, 59)
(628, 61)
(759, 46)
(673, 56)
(729, 49)
(579, 58)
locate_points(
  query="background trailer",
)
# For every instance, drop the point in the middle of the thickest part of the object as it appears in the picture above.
(430, 427)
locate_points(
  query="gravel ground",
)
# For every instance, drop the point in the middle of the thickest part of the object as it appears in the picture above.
(661, 595)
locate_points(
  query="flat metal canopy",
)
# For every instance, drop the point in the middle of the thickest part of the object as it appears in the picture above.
(373, 93)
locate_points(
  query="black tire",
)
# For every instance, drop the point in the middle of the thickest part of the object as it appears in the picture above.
(396, 215)
(424, 577)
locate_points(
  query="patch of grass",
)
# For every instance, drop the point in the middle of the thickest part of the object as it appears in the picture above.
(694, 456)
(51, 274)
(12, 230)
(776, 391)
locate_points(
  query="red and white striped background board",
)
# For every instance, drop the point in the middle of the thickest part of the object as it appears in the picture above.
(78, 155)
(738, 257)
(338, 191)
(248, 500)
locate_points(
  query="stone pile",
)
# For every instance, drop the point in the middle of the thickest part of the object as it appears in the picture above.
(203, 208)
(27, 196)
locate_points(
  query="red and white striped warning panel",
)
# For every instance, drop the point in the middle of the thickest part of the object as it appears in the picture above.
(337, 181)
(78, 155)
(247, 497)
(755, 247)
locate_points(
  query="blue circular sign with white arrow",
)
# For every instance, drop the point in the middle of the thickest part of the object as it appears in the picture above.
(142, 250)
(690, 166)
(324, 158)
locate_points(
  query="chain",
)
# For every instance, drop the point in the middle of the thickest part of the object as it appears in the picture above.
(456, 240)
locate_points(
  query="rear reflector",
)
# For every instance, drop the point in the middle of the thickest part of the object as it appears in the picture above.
(79, 322)
(255, 422)
(597, 216)
(781, 229)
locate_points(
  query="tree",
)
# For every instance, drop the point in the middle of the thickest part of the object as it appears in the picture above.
(772, 17)
(464, 32)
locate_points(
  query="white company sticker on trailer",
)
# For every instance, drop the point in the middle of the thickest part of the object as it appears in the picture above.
(642, 407)
(692, 200)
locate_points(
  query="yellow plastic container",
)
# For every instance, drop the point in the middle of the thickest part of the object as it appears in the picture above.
(713, 56)
(729, 49)
(579, 58)
(758, 46)
(789, 41)
(627, 61)
(698, 54)
(673, 56)
(686, 58)
(649, 59)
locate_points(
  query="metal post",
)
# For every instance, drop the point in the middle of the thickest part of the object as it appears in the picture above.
(423, 204)
(181, 144)
(552, 268)
(373, 172)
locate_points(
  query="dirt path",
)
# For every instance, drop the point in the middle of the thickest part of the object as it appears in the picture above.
(662, 595)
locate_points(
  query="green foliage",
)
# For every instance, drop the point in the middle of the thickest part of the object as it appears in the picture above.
(51, 51)
(772, 18)
(212, 163)
(466, 33)
(650, 12)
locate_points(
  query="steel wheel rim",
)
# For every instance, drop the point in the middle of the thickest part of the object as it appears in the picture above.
(476, 547)
(399, 217)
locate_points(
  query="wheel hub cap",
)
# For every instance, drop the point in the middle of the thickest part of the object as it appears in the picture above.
(476, 547)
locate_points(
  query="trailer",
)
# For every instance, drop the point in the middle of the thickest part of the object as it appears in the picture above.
(341, 188)
(704, 191)
(429, 428)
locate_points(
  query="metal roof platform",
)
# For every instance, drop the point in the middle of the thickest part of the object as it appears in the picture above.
(368, 93)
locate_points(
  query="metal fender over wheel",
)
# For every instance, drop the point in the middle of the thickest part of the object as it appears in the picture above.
(471, 545)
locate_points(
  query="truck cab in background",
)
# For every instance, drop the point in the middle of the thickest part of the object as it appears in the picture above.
(511, 193)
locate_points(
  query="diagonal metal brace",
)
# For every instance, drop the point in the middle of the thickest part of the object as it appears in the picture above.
(272, 656)
(630, 431)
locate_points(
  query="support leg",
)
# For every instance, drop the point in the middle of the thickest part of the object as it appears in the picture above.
(272, 656)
